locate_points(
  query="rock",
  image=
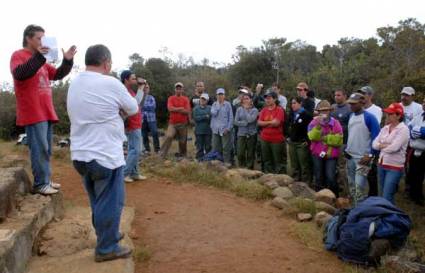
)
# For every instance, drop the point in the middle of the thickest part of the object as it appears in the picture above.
(302, 204)
(325, 207)
(303, 217)
(342, 203)
(282, 192)
(322, 218)
(216, 165)
(301, 189)
(233, 174)
(14, 182)
(378, 248)
(280, 203)
(397, 264)
(249, 174)
(265, 178)
(282, 179)
(326, 196)
(271, 184)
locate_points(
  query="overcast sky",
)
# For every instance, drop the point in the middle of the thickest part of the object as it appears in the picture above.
(198, 28)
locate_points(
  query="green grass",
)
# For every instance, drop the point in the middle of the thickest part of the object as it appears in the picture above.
(196, 173)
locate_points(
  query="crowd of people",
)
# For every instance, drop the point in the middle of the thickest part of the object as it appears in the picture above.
(341, 147)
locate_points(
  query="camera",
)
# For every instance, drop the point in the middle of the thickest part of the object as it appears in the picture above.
(322, 154)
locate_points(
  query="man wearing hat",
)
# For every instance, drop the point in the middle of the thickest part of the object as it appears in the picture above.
(221, 126)
(363, 127)
(375, 110)
(369, 106)
(202, 116)
(410, 107)
(179, 107)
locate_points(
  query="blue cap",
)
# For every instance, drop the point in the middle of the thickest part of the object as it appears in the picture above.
(220, 91)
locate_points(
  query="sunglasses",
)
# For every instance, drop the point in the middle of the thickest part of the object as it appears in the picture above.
(301, 89)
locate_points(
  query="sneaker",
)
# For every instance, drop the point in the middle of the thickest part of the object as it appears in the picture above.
(45, 190)
(123, 253)
(55, 185)
(128, 179)
(139, 177)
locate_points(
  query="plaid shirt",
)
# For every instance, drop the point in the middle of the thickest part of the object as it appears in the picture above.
(149, 108)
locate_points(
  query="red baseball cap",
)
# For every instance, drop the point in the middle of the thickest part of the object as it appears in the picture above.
(394, 108)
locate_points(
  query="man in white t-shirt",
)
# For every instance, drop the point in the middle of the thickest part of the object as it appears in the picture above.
(369, 106)
(376, 111)
(410, 107)
(95, 101)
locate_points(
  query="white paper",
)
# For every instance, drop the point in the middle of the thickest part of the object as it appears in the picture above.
(53, 54)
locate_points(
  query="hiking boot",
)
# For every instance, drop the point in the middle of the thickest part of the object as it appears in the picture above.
(122, 253)
(139, 177)
(55, 185)
(45, 190)
(128, 179)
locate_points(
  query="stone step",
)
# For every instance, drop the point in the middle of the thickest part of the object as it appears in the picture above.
(19, 231)
(68, 245)
(14, 182)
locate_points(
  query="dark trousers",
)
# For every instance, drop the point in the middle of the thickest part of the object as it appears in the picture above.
(203, 145)
(246, 151)
(372, 178)
(153, 129)
(272, 156)
(415, 177)
(106, 191)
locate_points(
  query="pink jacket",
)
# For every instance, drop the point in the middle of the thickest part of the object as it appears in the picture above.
(325, 137)
(394, 155)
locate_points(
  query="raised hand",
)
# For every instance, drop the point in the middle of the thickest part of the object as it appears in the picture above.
(69, 55)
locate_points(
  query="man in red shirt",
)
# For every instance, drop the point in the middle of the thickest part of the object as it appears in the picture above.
(179, 107)
(271, 120)
(133, 126)
(34, 105)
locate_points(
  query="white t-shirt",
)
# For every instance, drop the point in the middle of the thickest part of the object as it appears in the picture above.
(97, 129)
(411, 111)
(283, 102)
(376, 111)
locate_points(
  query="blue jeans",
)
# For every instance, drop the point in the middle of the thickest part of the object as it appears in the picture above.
(39, 136)
(388, 182)
(153, 129)
(324, 171)
(132, 161)
(105, 188)
(357, 182)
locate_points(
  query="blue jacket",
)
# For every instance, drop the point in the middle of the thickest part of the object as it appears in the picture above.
(356, 233)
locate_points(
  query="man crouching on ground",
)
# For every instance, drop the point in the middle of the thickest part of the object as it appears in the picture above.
(97, 134)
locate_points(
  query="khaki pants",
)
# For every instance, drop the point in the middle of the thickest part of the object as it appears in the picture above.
(178, 131)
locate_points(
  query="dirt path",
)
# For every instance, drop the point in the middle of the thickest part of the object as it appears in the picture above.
(189, 228)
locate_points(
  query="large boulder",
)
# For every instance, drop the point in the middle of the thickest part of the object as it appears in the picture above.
(216, 166)
(283, 192)
(248, 174)
(271, 184)
(280, 203)
(301, 189)
(342, 203)
(322, 206)
(322, 218)
(281, 179)
(326, 196)
(233, 175)
(303, 217)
